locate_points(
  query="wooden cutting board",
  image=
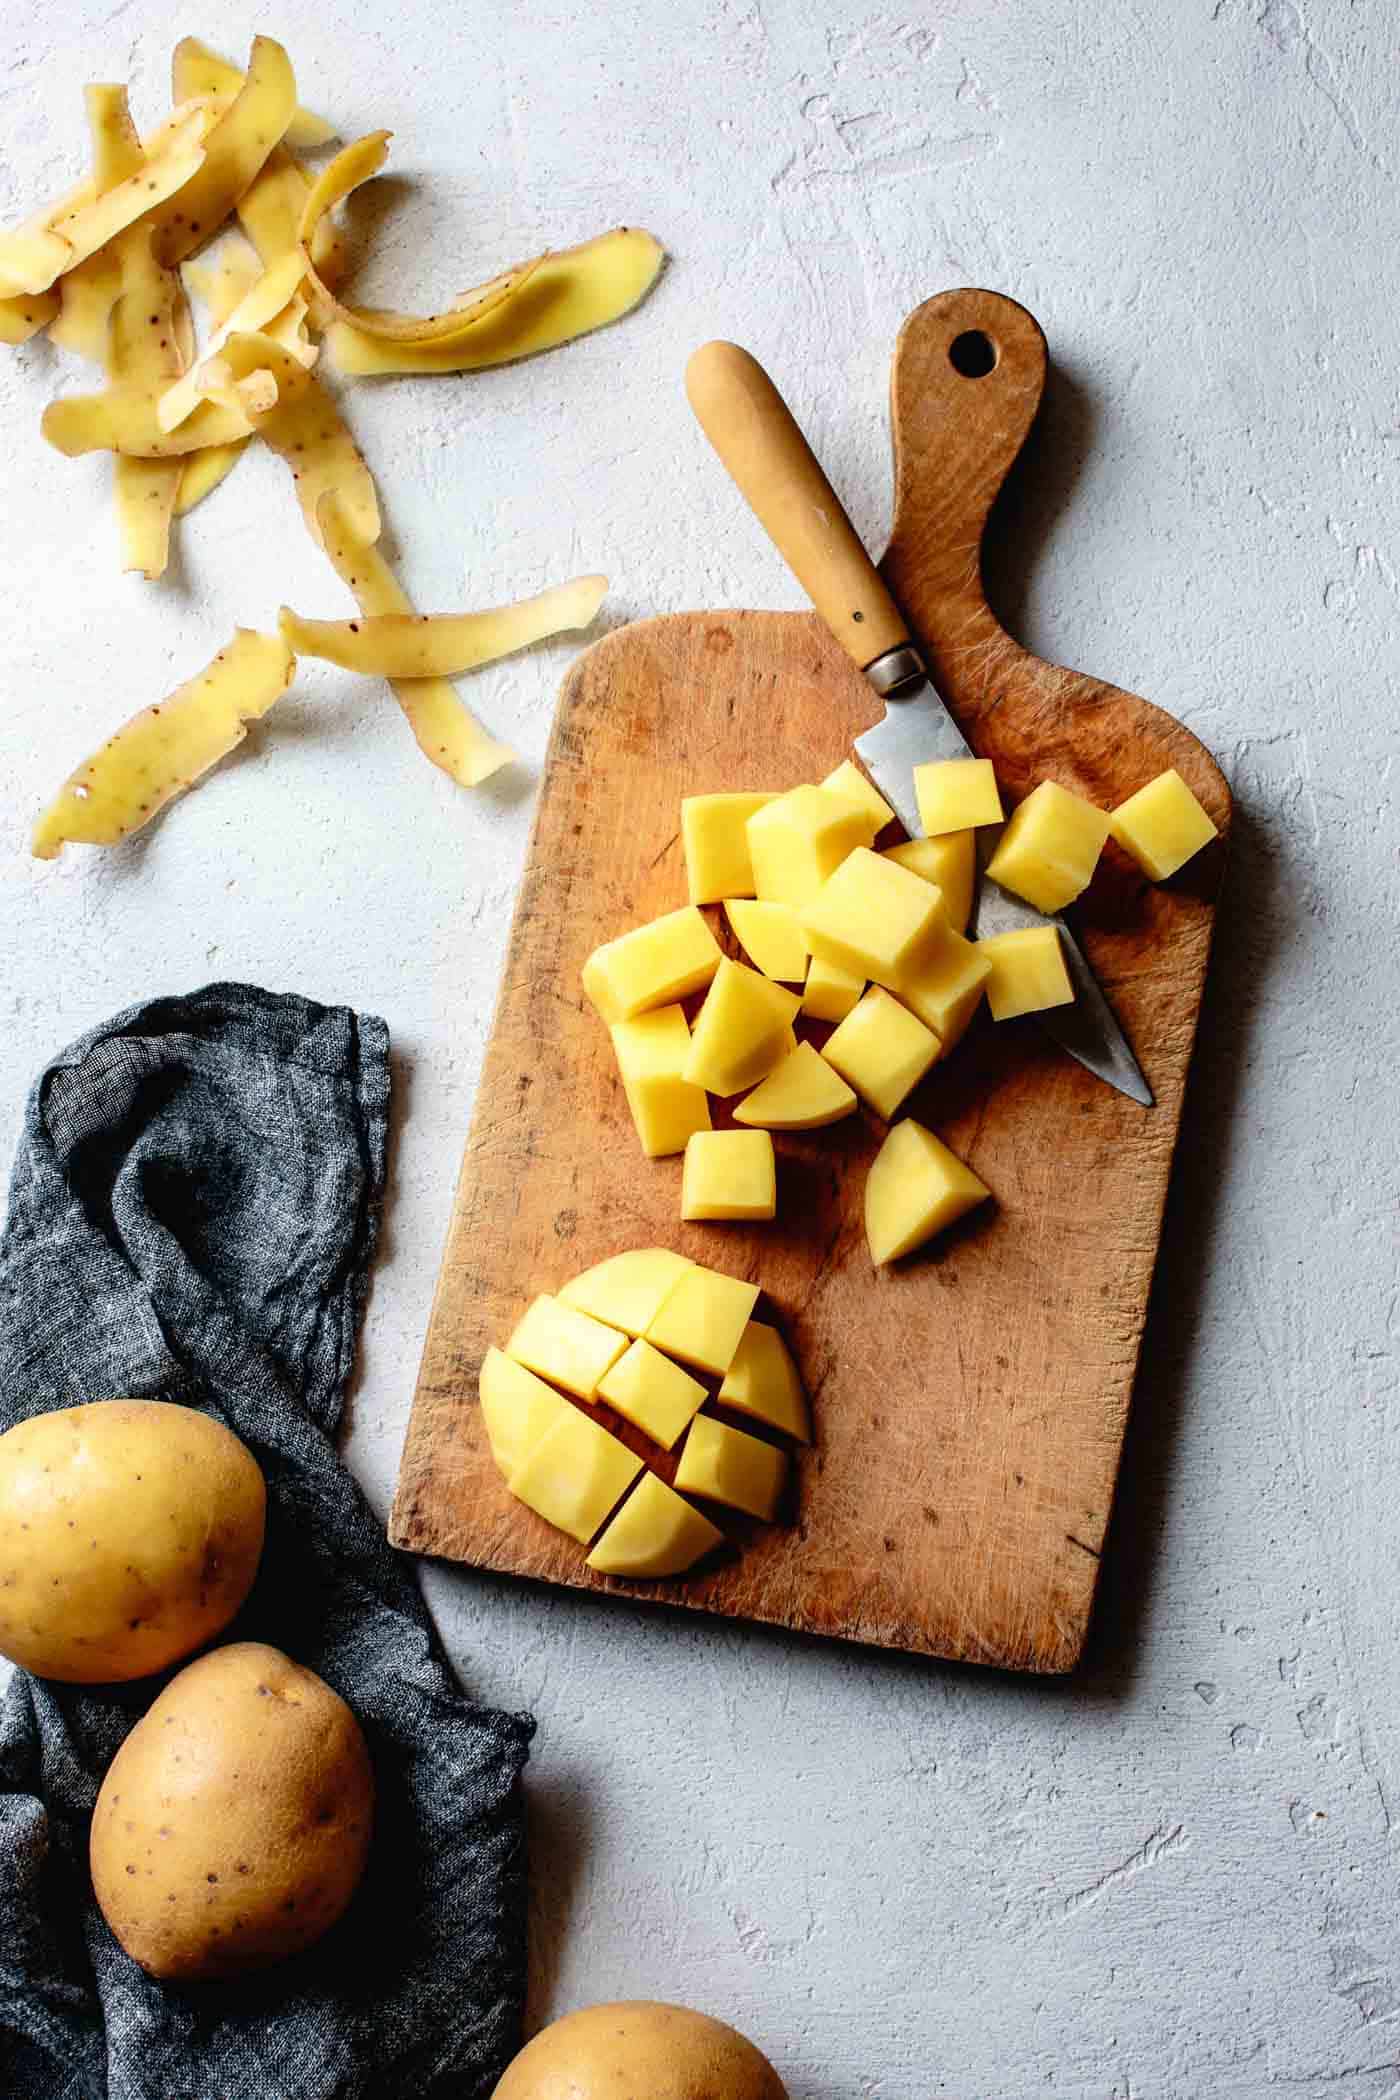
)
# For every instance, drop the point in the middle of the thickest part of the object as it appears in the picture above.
(969, 1405)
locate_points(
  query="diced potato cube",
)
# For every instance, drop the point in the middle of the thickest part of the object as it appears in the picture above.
(915, 1188)
(1028, 972)
(956, 793)
(728, 1466)
(770, 936)
(565, 1346)
(849, 781)
(656, 1532)
(715, 838)
(762, 1381)
(652, 965)
(804, 1093)
(830, 991)
(517, 1408)
(651, 1054)
(703, 1319)
(1050, 848)
(740, 1032)
(882, 1049)
(950, 862)
(627, 1290)
(1162, 825)
(729, 1174)
(874, 917)
(652, 1392)
(800, 838)
(576, 1475)
(948, 989)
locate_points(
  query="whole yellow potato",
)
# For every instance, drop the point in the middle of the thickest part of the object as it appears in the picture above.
(640, 2051)
(234, 1823)
(130, 1533)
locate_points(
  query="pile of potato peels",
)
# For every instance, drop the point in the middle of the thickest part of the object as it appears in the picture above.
(108, 269)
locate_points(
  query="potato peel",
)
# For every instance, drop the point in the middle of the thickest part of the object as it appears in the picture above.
(25, 314)
(270, 212)
(234, 152)
(304, 427)
(415, 645)
(117, 152)
(445, 729)
(268, 298)
(157, 183)
(126, 419)
(196, 70)
(145, 350)
(201, 472)
(163, 750)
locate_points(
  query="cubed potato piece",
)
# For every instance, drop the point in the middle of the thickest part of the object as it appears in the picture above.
(729, 1174)
(915, 1188)
(652, 965)
(517, 1409)
(627, 1290)
(703, 1319)
(656, 1532)
(565, 1346)
(1050, 848)
(882, 1049)
(726, 1465)
(1028, 972)
(1162, 825)
(950, 862)
(715, 837)
(800, 838)
(770, 936)
(740, 1032)
(830, 992)
(850, 782)
(762, 1381)
(652, 1052)
(948, 989)
(576, 1475)
(874, 917)
(804, 1093)
(652, 1392)
(955, 793)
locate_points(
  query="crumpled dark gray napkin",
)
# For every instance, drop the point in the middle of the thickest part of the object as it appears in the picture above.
(192, 1215)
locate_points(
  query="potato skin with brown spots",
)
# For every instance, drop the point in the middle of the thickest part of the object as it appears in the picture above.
(640, 2051)
(234, 1823)
(130, 1533)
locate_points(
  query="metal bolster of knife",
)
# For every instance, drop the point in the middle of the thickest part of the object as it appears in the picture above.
(897, 673)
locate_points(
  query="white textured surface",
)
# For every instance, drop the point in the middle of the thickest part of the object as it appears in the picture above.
(1174, 1876)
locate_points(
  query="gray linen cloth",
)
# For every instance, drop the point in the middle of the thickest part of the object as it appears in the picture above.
(192, 1215)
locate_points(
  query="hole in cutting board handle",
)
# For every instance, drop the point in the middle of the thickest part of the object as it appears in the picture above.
(973, 354)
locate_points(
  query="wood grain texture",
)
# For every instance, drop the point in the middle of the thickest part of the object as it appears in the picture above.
(969, 1405)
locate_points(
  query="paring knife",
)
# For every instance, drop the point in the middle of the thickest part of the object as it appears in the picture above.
(753, 431)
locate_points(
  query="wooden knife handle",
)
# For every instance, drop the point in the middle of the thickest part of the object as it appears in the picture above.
(752, 429)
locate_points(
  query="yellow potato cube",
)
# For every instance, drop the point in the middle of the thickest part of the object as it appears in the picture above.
(882, 1049)
(652, 1392)
(950, 862)
(1028, 972)
(1050, 848)
(565, 1346)
(800, 838)
(656, 1532)
(715, 838)
(915, 1188)
(762, 1381)
(955, 793)
(627, 1290)
(948, 990)
(830, 991)
(740, 1032)
(576, 1475)
(850, 782)
(874, 917)
(1162, 825)
(729, 1174)
(703, 1319)
(726, 1465)
(770, 936)
(652, 965)
(804, 1093)
(517, 1408)
(651, 1054)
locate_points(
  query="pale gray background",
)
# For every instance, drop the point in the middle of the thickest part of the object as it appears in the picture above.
(1174, 1875)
